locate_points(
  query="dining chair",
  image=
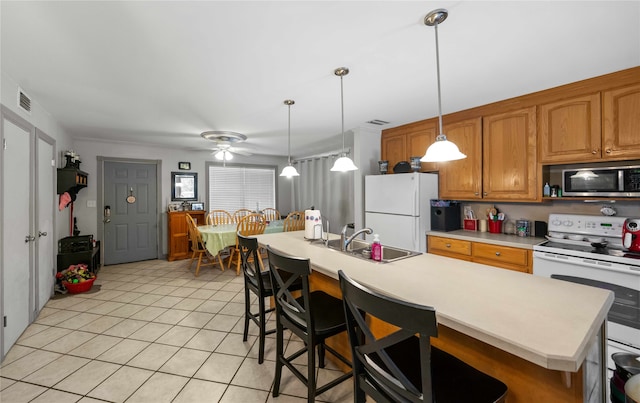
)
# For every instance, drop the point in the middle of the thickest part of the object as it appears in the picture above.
(198, 247)
(271, 214)
(313, 317)
(240, 214)
(252, 224)
(403, 366)
(218, 217)
(294, 221)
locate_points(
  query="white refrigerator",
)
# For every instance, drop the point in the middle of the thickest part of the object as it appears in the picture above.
(397, 207)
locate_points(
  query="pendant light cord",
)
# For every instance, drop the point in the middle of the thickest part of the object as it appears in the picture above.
(438, 73)
(289, 135)
(342, 108)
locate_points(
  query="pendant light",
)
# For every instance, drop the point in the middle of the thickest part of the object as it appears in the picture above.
(442, 150)
(344, 163)
(289, 171)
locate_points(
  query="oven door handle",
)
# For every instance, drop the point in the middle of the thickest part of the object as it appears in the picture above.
(599, 264)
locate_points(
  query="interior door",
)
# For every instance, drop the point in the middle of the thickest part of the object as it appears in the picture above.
(130, 229)
(45, 211)
(17, 237)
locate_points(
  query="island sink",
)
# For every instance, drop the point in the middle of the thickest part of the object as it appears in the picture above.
(357, 247)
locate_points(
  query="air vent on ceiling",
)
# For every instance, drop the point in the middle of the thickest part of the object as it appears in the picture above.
(378, 122)
(24, 101)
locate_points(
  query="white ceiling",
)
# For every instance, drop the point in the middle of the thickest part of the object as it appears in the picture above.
(158, 72)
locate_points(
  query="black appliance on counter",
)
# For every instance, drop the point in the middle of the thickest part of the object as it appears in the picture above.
(445, 215)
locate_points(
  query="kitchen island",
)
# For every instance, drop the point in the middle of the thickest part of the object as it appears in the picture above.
(532, 333)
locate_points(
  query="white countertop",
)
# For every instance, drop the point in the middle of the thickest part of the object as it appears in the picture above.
(487, 237)
(548, 322)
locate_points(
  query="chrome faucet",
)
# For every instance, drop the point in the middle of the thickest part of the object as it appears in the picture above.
(344, 243)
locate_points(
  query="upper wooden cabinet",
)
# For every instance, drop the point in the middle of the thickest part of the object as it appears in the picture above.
(462, 179)
(569, 130)
(575, 130)
(402, 142)
(509, 156)
(621, 123)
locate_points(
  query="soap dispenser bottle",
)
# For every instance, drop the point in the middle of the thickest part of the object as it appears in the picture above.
(376, 248)
(546, 191)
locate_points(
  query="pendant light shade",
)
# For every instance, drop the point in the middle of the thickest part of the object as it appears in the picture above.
(344, 163)
(289, 171)
(442, 150)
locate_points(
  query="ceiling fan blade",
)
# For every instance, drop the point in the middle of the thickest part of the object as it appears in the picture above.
(241, 152)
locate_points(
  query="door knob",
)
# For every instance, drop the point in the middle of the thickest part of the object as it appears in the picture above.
(29, 238)
(40, 233)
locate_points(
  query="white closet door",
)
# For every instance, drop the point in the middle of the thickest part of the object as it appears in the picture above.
(45, 197)
(16, 284)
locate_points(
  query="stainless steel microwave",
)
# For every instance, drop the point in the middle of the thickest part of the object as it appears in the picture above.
(606, 182)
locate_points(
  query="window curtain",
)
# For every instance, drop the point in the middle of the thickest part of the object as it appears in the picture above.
(330, 192)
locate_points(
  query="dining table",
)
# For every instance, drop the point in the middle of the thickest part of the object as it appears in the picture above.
(221, 236)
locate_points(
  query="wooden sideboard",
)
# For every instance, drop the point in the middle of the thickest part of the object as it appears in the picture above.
(178, 235)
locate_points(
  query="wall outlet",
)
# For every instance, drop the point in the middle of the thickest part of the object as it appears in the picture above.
(91, 203)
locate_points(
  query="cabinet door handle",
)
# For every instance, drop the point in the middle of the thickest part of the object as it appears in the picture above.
(476, 193)
(485, 193)
(448, 245)
(594, 152)
(29, 238)
(497, 253)
(608, 151)
(41, 234)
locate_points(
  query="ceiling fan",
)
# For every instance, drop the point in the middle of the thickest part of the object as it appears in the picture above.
(225, 141)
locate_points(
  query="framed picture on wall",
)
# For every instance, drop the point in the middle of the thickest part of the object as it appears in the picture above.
(185, 166)
(184, 186)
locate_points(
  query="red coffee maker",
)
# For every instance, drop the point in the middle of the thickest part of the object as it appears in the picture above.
(631, 234)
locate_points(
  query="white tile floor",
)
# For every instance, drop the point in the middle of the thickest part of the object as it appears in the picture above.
(153, 333)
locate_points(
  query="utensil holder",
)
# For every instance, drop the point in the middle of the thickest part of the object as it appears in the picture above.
(495, 226)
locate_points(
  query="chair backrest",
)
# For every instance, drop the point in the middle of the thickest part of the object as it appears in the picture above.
(250, 261)
(218, 217)
(240, 214)
(271, 214)
(287, 272)
(194, 235)
(252, 224)
(370, 360)
(294, 221)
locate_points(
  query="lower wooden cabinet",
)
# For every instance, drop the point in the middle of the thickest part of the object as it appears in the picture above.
(178, 235)
(505, 257)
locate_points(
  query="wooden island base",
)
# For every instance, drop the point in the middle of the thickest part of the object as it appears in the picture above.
(527, 382)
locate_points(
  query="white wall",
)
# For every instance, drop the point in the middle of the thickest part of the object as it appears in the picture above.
(89, 150)
(41, 119)
(366, 142)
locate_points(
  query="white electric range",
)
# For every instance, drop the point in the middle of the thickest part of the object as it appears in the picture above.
(588, 250)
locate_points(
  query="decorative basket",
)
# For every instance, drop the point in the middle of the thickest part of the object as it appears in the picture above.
(78, 287)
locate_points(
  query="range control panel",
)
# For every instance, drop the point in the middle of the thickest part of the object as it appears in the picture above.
(587, 224)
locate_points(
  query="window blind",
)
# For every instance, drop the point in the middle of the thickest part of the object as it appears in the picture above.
(233, 188)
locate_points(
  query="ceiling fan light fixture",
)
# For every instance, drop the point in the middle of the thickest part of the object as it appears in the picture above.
(344, 163)
(441, 150)
(289, 171)
(223, 155)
